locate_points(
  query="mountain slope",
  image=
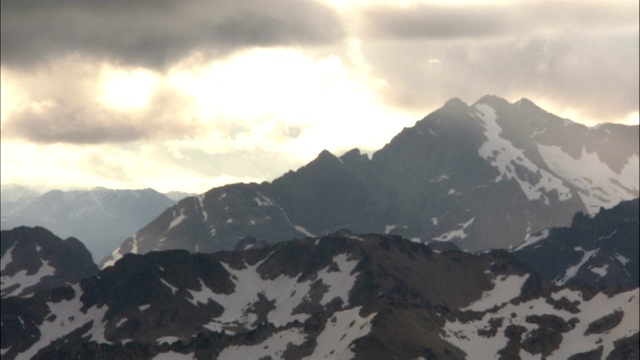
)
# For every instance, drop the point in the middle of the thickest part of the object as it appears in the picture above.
(482, 176)
(339, 296)
(34, 259)
(595, 251)
(100, 217)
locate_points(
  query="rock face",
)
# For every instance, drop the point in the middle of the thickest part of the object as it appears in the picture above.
(34, 259)
(594, 251)
(100, 217)
(338, 296)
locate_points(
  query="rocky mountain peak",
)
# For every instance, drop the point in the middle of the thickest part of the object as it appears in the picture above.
(354, 156)
(35, 259)
(494, 101)
(481, 177)
(455, 103)
(325, 157)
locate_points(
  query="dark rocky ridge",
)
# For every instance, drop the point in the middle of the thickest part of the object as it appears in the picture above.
(602, 249)
(25, 251)
(404, 301)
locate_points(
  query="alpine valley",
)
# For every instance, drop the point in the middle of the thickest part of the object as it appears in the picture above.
(490, 231)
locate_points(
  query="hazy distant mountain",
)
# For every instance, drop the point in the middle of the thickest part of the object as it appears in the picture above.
(100, 217)
(482, 176)
(178, 195)
(34, 259)
(595, 251)
(339, 296)
(13, 198)
(13, 192)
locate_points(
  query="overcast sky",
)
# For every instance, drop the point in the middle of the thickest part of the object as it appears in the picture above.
(192, 94)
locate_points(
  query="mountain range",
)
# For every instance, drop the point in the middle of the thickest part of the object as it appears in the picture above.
(338, 296)
(482, 176)
(11, 193)
(494, 230)
(99, 217)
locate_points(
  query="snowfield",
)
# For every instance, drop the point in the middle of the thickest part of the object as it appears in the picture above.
(467, 336)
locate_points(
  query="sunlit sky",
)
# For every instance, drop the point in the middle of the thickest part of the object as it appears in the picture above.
(189, 95)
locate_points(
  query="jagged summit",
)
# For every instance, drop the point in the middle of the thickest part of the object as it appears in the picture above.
(354, 156)
(493, 100)
(455, 102)
(325, 156)
(524, 102)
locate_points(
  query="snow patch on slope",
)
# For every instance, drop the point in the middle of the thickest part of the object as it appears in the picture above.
(504, 156)
(467, 335)
(262, 200)
(24, 281)
(623, 260)
(533, 239)
(388, 228)
(339, 333)
(172, 355)
(115, 256)
(134, 244)
(200, 198)
(573, 270)
(458, 233)
(68, 318)
(504, 289)
(273, 346)
(303, 230)
(286, 293)
(177, 219)
(600, 271)
(598, 185)
(7, 258)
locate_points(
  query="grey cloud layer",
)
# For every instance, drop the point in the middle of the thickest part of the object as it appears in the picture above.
(482, 20)
(156, 33)
(581, 55)
(69, 113)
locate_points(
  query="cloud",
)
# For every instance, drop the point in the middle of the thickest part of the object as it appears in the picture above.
(477, 20)
(186, 94)
(431, 21)
(277, 100)
(578, 57)
(134, 165)
(156, 33)
(62, 104)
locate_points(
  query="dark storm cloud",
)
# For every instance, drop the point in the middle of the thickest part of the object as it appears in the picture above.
(482, 20)
(431, 21)
(154, 33)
